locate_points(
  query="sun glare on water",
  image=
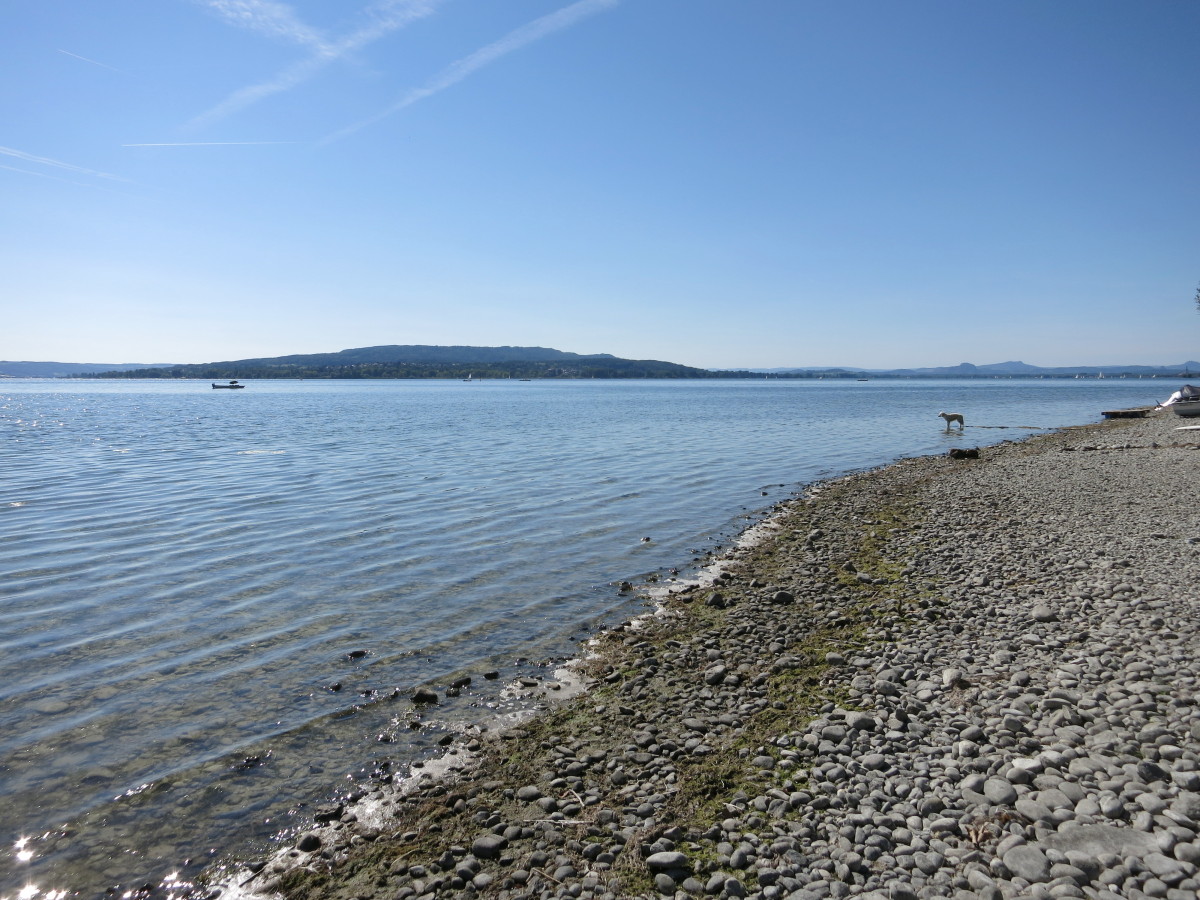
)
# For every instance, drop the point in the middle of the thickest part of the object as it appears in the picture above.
(33, 892)
(24, 853)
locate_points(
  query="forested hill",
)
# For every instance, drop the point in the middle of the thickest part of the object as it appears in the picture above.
(425, 354)
(420, 361)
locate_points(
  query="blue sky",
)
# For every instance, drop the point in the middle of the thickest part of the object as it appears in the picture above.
(720, 183)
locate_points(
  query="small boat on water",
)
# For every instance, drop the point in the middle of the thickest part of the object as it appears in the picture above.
(232, 386)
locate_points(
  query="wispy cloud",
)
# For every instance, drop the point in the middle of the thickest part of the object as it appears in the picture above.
(92, 61)
(56, 164)
(461, 69)
(276, 19)
(211, 144)
(266, 17)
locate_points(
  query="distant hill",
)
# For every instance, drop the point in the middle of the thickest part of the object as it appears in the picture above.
(1020, 368)
(423, 361)
(1190, 369)
(422, 354)
(61, 369)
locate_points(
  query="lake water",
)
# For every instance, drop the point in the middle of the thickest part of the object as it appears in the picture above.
(186, 574)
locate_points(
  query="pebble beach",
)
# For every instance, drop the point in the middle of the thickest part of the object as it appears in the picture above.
(969, 677)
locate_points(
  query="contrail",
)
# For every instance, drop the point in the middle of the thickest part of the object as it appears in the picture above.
(212, 144)
(94, 187)
(30, 172)
(468, 65)
(387, 17)
(92, 61)
(46, 161)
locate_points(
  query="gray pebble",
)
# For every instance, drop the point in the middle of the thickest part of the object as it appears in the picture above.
(488, 846)
(666, 860)
(1028, 862)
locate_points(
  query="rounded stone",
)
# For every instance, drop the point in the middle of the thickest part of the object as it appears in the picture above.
(1151, 803)
(308, 842)
(1043, 613)
(1187, 804)
(875, 762)
(1188, 853)
(666, 860)
(529, 793)
(488, 846)
(1000, 792)
(1028, 862)
(424, 695)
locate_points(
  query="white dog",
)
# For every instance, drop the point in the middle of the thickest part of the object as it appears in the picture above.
(953, 418)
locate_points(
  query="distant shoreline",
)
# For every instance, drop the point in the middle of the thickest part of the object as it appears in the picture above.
(723, 374)
(425, 361)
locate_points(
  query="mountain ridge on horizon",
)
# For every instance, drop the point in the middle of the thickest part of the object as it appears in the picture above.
(1012, 367)
(414, 357)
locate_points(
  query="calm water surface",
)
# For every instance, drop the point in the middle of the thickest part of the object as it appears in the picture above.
(185, 573)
